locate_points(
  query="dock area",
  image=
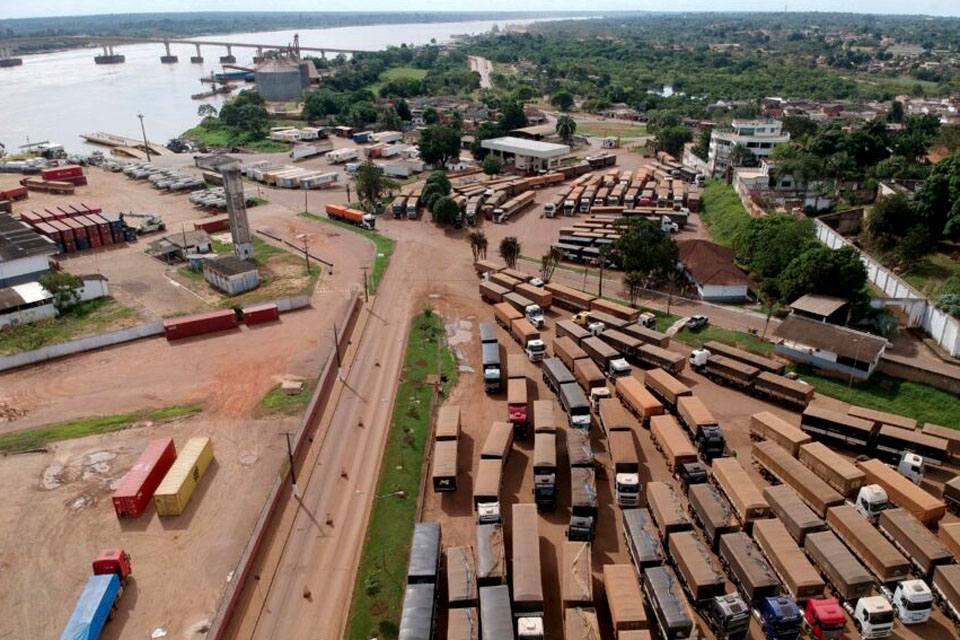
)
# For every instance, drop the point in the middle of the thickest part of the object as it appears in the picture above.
(124, 145)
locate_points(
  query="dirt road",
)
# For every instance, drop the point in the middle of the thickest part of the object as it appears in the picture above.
(484, 67)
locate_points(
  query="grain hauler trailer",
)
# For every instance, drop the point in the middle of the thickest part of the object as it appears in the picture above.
(461, 577)
(798, 575)
(779, 464)
(544, 420)
(904, 493)
(665, 387)
(747, 567)
(623, 598)
(836, 470)
(663, 592)
(667, 510)
(642, 540)
(545, 470)
(793, 513)
(496, 614)
(848, 579)
(491, 555)
(576, 578)
(626, 468)
(837, 429)
(669, 439)
(637, 399)
(583, 504)
(946, 586)
(876, 552)
(701, 424)
(767, 426)
(709, 509)
(525, 572)
(747, 500)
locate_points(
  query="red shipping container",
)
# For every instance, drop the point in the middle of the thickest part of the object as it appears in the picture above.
(212, 226)
(141, 481)
(62, 173)
(43, 215)
(90, 227)
(86, 207)
(65, 231)
(79, 181)
(15, 193)
(56, 213)
(31, 218)
(75, 210)
(79, 231)
(94, 240)
(261, 313)
(184, 327)
(47, 230)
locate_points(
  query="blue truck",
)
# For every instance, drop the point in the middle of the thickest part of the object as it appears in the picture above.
(781, 618)
(98, 601)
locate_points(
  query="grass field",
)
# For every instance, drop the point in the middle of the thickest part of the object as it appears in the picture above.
(882, 392)
(611, 129)
(722, 211)
(934, 274)
(277, 402)
(223, 137)
(739, 339)
(86, 319)
(378, 592)
(384, 247)
(40, 437)
(397, 73)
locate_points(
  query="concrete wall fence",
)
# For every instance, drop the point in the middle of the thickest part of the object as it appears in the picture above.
(941, 326)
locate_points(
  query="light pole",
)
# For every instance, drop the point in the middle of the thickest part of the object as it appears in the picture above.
(293, 474)
(143, 130)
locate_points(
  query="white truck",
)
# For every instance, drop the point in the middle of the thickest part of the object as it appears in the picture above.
(871, 500)
(534, 314)
(341, 155)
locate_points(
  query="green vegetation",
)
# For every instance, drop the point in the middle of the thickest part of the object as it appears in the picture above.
(222, 138)
(40, 437)
(242, 122)
(723, 212)
(739, 339)
(85, 319)
(398, 74)
(611, 129)
(278, 402)
(378, 592)
(934, 275)
(882, 392)
(384, 247)
(190, 274)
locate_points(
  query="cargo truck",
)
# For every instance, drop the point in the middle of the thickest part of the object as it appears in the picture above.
(576, 580)
(798, 575)
(569, 298)
(946, 586)
(848, 579)
(505, 314)
(669, 439)
(98, 601)
(825, 619)
(666, 509)
(637, 399)
(951, 494)
(792, 512)
(626, 468)
(567, 351)
(779, 464)
(492, 375)
(398, 206)
(529, 338)
(463, 623)
(544, 420)
(576, 405)
(780, 618)
(486, 490)
(734, 482)
(646, 333)
(640, 536)
(444, 471)
(709, 509)
(539, 295)
(837, 429)
(413, 207)
(525, 572)
(532, 312)
(650, 355)
(555, 375)
(704, 428)
(545, 471)
(746, 357)
(836, 470)
(877, 553)
(665, 387)
(794, 394)
(903, 493)
(747, 567)
(767, 426)
(666, 599)
(583, 504)
(351, 216)
(491, 556)
(517, 406)
(722, 369)
(624, 599)
(461, 577)
(496, 615)
(701, 578)
(579, 451)
(569, 329)
(607, 358)
(492, 292)
(590, 377)
(613, 417)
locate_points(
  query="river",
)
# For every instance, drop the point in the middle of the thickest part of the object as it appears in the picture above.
(57, 96)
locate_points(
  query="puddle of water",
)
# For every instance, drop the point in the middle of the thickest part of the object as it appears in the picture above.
(50, 477)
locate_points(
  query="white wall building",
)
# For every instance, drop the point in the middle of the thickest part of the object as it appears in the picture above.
(760, 137)
(528, 155)
(24, 253)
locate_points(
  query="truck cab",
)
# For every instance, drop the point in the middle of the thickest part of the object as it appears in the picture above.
(912, 466)
(534, 314)
(825, 618)
(369, 222)
(535, 349)
(698, 358)
(113, 561)
(710, 441)
(491, 368)
(692, 473)
(780, 618)
(728, 617)
(871, 500)
(913, 601)
(628, 489)
(488, 513)
(545, 490)
(873, 617)
(617, 368)
(596, 395)
(668, 226)
(581, 528)
(582, 319)
(530, 628)
(648, 320)
(550, 210)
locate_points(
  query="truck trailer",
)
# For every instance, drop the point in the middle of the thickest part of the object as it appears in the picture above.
(637, 399)
(798, 575)
(701, 424)
(461, 577)
(877, 553)
(663, 592)
(567, 351)
(569, 298)
(613, 417)
(779, 464)
(666, 509)
(623, 598)
(848, 578)
(669, 439)
(626, 468)
(748, 568)
(544, 420)
(576, 579)
(710, 510)
(700, 575)
(747, 500)
(491, 556)
(918, 543)
(641, 538)
(836, 470)
(767, 426)
(665, 387)
(525, 569)
(902, 492)
(545, 470)
(946, 586)
(793, 513)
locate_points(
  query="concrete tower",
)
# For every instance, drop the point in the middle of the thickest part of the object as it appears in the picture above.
(237, 211)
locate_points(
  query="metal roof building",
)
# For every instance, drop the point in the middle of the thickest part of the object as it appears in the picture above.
(829, 347)
(24, 253)
(818, 307)
(529, 155)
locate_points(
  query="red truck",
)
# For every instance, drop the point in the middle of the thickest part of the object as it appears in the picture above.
(98, 602)
(825, 618)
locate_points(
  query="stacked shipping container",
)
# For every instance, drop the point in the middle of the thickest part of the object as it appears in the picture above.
(76, 227)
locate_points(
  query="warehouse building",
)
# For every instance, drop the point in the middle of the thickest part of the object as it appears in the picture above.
(231, 275)
(710, 268)
(24, 253)
(829, 347)
(528, 155)
(821, 308)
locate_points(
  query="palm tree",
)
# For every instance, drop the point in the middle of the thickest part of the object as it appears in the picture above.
(566, 127)
(548, 264)
(510, 251)
(633, 281)
(478, 244)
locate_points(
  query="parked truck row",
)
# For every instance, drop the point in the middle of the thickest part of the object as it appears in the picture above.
(766, 384)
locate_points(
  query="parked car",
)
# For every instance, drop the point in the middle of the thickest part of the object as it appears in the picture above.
(697, 322)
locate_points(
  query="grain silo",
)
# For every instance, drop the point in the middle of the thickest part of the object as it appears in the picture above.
(278, 79)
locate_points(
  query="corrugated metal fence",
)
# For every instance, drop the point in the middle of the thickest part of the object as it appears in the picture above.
(112, 338)
(941, 326)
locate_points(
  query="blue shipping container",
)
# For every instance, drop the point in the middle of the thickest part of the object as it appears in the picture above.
(93, 608)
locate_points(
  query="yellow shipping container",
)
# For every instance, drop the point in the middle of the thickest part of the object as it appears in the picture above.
(174, 493)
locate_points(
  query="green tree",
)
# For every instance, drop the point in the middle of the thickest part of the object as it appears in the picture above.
(485, 131)
(914, 245)
(430, 116)
(890, 217)
(949, 302)
(562, 100)
(441, 179)
(403, 110)
(936, 203)
(799, 127)
(633, 282)
(643, 248)
(361, 114)
(819, 269)
(445, 211)
(492, 165)
(370, 185)
(322, 103)
(478, 244)
(896, 113)
(768, 244)
(510, 251)
(512, 116)
(740, 156)
(672, 138)
(64, 288)
(439, 144)
(390, 119)
(566, 127)
(548, 264)
(207, 111)
(702, 148)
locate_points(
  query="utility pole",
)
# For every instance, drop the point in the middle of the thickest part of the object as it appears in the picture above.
(293, 473)
(306, 254)
(365, 295)
(348, 193)
(306, 209)
(146, 147)
(336, 344)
